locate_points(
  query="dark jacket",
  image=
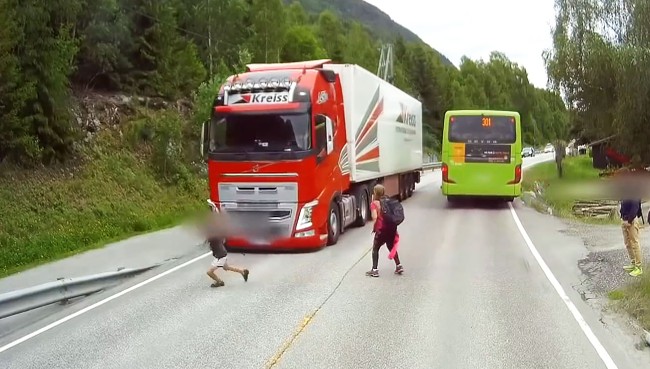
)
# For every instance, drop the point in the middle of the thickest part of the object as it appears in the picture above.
(630, 209)
(218, 247)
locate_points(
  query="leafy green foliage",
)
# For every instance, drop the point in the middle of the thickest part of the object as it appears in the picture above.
(167, 48)
(115, 194)
(601, 63)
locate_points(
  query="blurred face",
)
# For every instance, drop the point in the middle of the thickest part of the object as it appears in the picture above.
(216, 225)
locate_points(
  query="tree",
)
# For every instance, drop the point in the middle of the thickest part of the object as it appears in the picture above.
(217, 28)
(269, 25)
(330, 33)
(601, 63)
(105, 42)
(301, 44)
(166, 64)
(16, 139)
(296, 15)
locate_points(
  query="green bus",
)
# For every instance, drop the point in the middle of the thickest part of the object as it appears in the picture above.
(481, 154)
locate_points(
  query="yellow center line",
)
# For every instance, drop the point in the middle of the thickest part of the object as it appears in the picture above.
(271, 363)
(275, 359)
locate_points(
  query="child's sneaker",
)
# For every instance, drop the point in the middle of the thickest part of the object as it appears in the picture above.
(399, 269)
(217, 284)
(636, 272)
(373, 273)
(245, 275)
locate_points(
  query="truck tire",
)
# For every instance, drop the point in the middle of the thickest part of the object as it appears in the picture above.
(411, 185)
(333, 225)
(362, 198)
(402, 187)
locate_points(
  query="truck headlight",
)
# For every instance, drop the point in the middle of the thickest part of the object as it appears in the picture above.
(304, 218)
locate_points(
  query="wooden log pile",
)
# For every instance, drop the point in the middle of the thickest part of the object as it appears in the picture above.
(596, 208)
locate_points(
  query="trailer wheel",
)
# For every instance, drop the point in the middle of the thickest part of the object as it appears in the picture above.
(333, 225)
(411, 185)
(361, 196)
(402, 188)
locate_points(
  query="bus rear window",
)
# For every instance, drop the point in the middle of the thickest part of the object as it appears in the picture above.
(482, 129)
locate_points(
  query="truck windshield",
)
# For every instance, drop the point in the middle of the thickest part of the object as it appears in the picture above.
(235, 133)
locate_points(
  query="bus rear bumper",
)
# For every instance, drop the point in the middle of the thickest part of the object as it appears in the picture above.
(456, 189)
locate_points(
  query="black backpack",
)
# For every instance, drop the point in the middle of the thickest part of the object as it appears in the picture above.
(392, 213)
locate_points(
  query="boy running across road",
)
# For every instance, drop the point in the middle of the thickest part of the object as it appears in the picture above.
(385, 231)
(215, 232)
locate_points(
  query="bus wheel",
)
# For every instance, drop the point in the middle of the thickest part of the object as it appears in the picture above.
(333, 225)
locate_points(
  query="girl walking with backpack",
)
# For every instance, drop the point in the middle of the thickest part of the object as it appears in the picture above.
(387, 214)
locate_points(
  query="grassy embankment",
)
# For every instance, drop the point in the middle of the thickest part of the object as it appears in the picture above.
(130, 181)
(635, 299)
(576, 169)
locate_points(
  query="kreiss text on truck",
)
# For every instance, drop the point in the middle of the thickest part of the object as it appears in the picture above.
(295, 148)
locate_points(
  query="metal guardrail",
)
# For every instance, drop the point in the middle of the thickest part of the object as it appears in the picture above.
(433, 165)
(16, 302)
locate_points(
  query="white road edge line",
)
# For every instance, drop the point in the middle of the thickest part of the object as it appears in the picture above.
(602, 352)
(100, 303)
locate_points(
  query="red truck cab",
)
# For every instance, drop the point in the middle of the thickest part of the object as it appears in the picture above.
(273, 147)
(294, 149)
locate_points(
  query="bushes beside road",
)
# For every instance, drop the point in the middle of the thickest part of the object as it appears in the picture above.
(543, 180)
(128, 183)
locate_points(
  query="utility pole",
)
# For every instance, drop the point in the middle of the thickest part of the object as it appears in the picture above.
(385, 69)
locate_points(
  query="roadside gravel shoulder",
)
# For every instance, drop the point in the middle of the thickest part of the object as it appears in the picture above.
(607, 254)
(602, 273)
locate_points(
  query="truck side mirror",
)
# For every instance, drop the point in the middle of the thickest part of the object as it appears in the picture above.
(205, 137)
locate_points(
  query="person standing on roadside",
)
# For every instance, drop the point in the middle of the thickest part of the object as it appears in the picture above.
(385, 230)
(216, 229)
(630, 210)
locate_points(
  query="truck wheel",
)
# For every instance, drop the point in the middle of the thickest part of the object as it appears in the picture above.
(402, 188)
(411, 186)
(333, 225)
(361, 196)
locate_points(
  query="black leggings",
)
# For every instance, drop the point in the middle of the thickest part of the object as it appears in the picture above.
(387, 238)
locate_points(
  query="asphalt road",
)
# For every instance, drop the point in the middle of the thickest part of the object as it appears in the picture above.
(473, 295)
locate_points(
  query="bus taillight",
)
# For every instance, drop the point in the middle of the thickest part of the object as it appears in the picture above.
(517, 175)
(445, 173)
